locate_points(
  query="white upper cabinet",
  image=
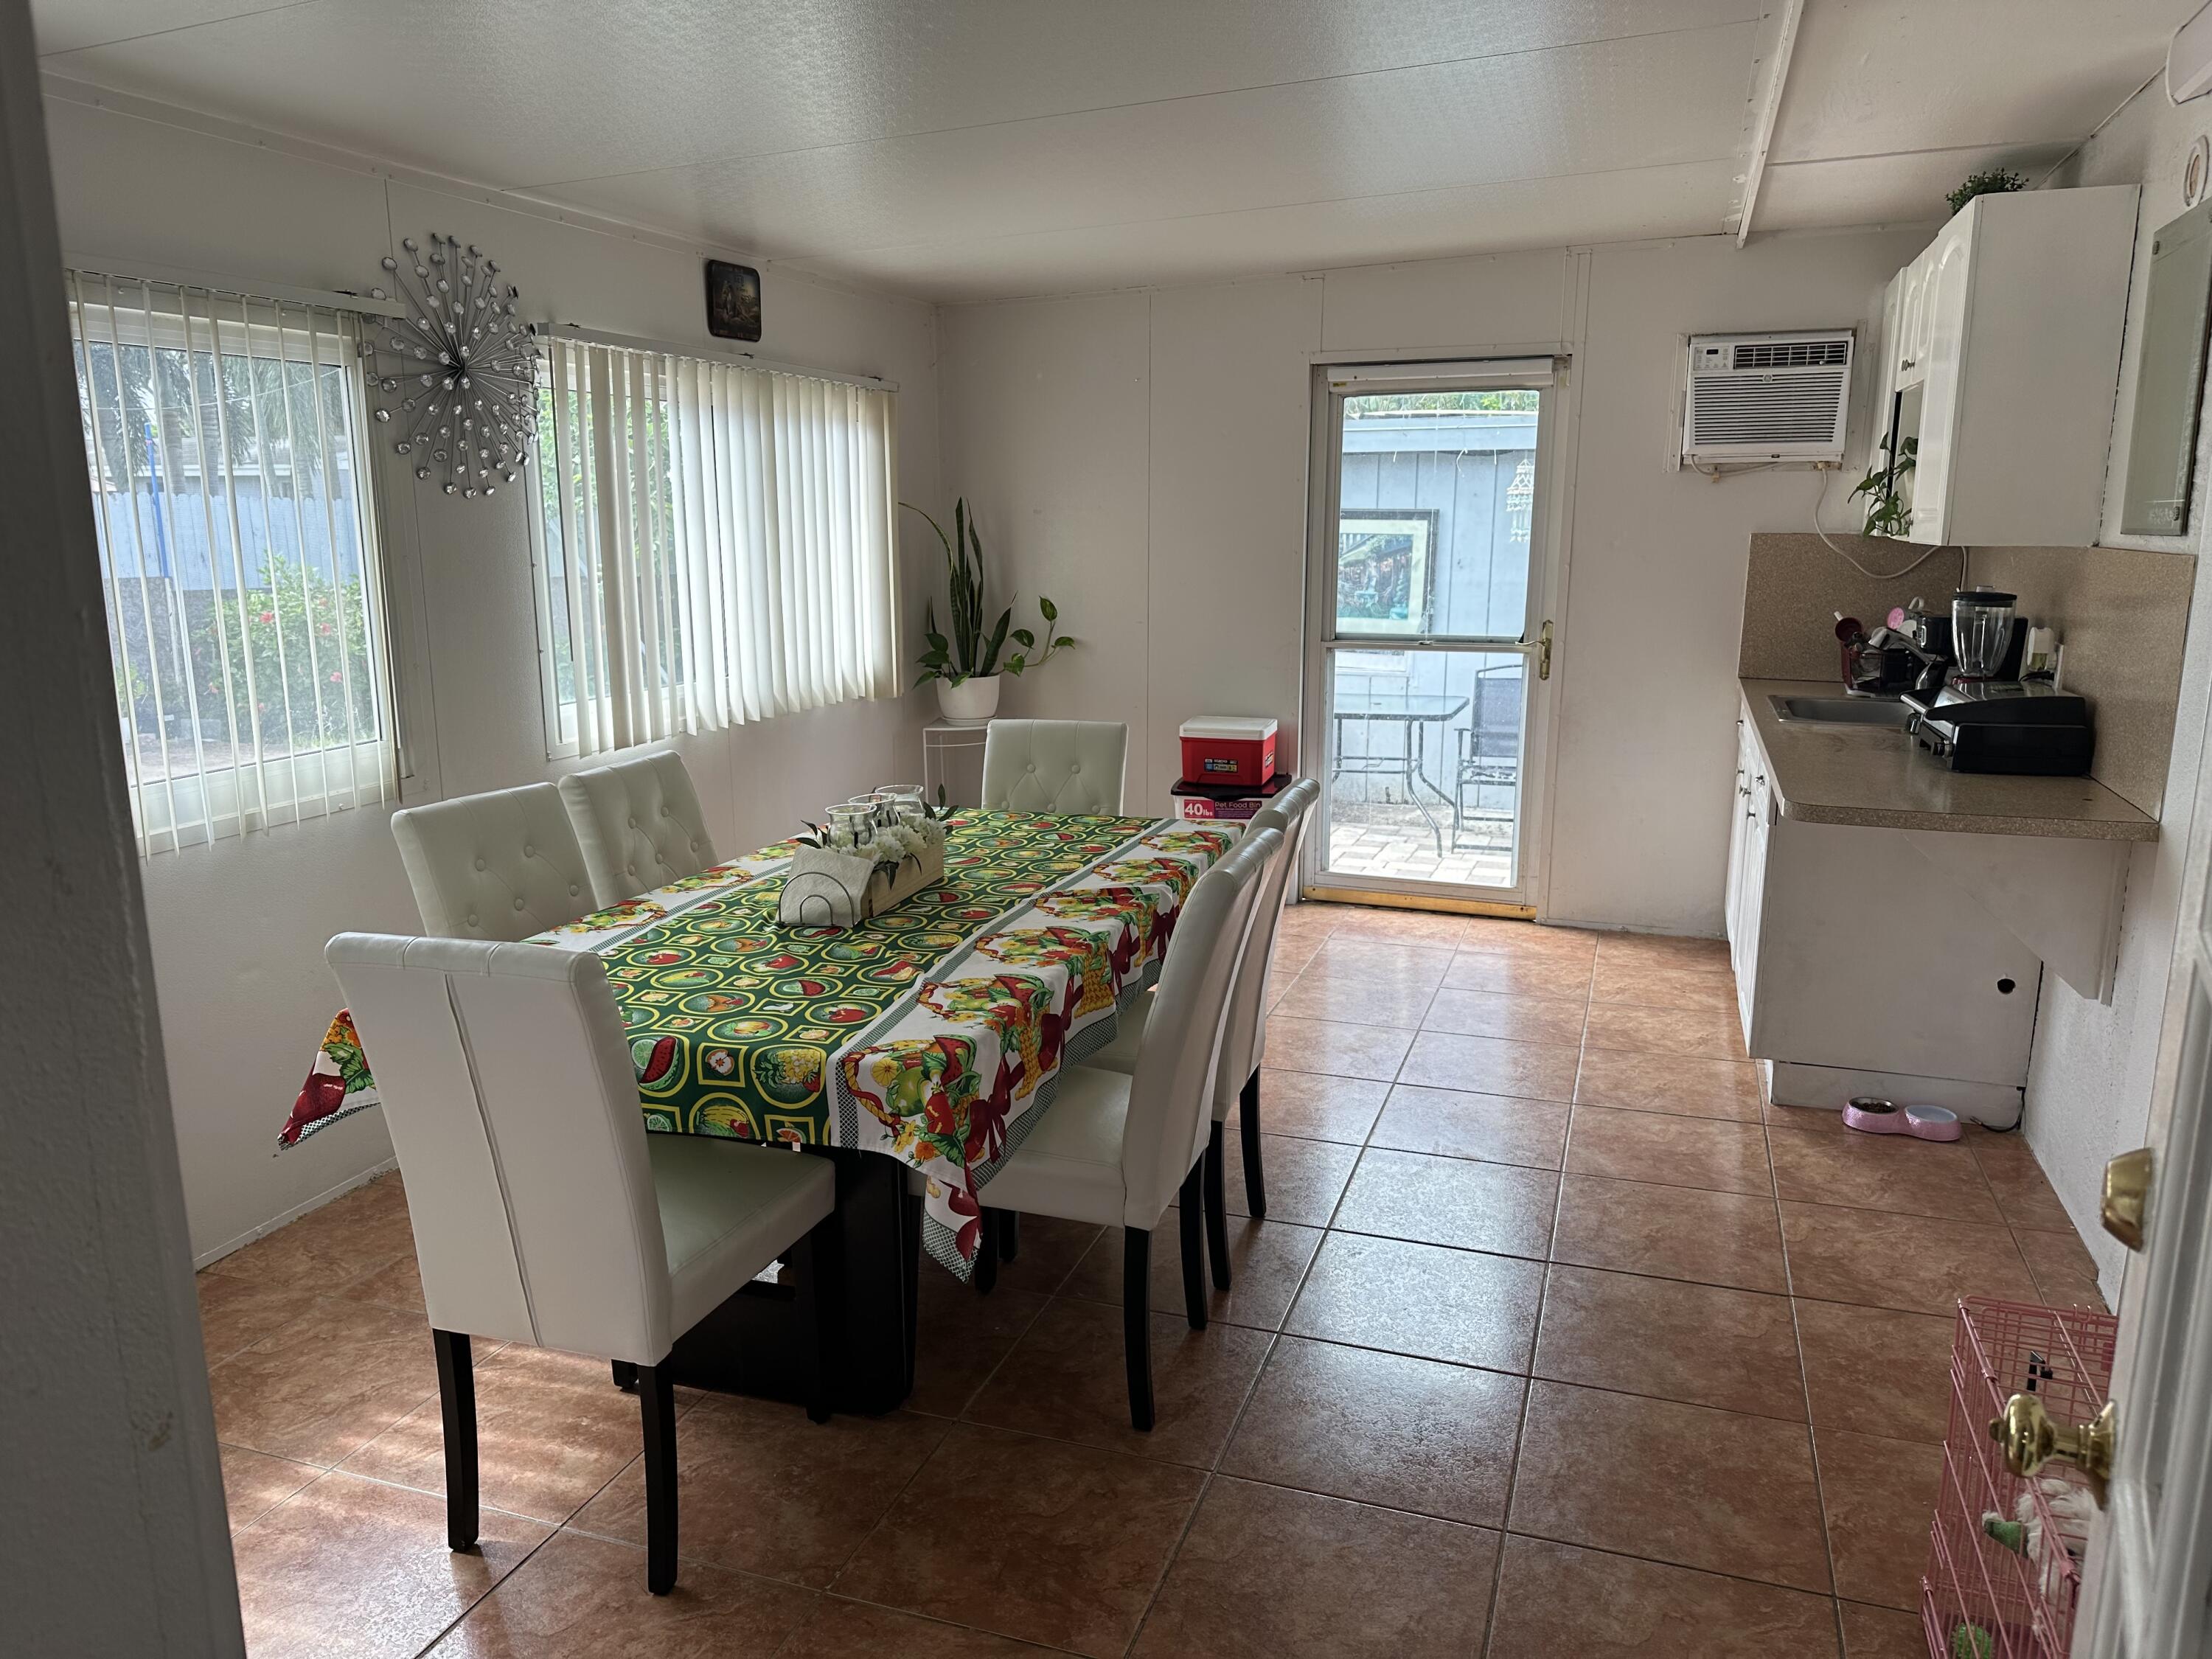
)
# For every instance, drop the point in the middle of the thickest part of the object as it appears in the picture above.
(1999, 357)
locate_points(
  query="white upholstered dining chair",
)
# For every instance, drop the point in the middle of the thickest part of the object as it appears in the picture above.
(544, 1213)
(1244, 1034)
(1117, 1148)
(500, 866)
(640, 824)
(1054, 766)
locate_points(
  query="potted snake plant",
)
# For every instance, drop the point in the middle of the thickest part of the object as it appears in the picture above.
(968, 658)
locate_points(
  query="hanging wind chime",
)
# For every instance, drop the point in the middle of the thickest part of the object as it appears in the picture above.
(463, 370)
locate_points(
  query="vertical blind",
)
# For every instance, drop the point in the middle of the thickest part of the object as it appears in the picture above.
(223, 441)
(717, 544)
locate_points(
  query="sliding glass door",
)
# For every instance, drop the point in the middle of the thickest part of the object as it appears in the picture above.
(1429, 647)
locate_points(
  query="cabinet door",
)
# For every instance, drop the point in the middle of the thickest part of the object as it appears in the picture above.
(1732, 898)
(1752, 902)
(1881, 364)
(1947, 295)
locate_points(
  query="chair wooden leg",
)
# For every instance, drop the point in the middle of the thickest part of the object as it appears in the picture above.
(1193, 1218)
(1009, 1223)
(1247, 1128)
(656, 1395)
(986, 1255)
(1217, 1211)
(821, 1271)
(626, 1375)
(1137, 1323)
(457, 1399)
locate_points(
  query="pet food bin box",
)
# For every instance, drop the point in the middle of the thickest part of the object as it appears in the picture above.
(1228, 749)
(1233, 803)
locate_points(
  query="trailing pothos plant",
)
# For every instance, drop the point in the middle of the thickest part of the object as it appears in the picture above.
(1886, 512)
(966, 650)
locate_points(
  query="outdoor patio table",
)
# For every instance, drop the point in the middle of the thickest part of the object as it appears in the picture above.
(1413, 711)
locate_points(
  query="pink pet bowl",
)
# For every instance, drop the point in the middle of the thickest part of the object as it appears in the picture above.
(1872, 1114)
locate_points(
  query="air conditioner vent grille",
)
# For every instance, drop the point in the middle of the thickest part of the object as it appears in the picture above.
(1767, 397)
(1791, 354)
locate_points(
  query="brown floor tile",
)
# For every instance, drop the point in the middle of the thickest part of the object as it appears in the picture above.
(1304, 1177)
(1076, 1545)
(1500, 1208)
(1267, 1260)
(1880, 1172)
(1879, 1496)
(1662, 1082)
(1497, 1128)
(1065, 1379)
(764, 1491)
(1714, 1153)
(347, 1240)
(2065, 1273)
(1663, 950)
(1334, 1049)
(1700, 1343)
(1396, 926)
(1674, 1232)
(1701, 1488)
(1345, 994)
(960, 1338)
(1915, 1263)
(584, 1598)
(253, 1483)
(1381, 1428)
(1649, 986)
(1522, 975)
(1422, 1300)
(2023, 1191)
(237, 1313)
(322, 1388)
(1555, 1601)
(1806, 1119)
(1875, 1371)
(853, 1630)
(1350, 960)
(1520, 1018)
(1882, 1633)
(1317, 1108)
(1286, 1574)
(399, 1286)
(351, 1567)
(1528, 940)
(551, 1430)
(1697, 1034)
(1050, 1249)
(1488, 1066)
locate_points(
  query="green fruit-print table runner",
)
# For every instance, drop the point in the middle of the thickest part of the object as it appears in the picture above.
(934, 1033)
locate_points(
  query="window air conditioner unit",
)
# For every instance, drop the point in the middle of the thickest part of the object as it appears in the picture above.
(1767, 397)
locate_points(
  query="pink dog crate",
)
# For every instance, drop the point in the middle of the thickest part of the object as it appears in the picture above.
(1980, 1599)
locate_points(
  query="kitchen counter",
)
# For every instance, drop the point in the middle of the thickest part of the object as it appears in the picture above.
(1877, 777)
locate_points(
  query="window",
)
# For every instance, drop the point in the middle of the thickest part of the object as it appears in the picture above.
(716, 544)
(223, 440)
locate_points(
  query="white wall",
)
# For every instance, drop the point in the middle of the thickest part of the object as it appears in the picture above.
(2090, 1080)
(238, 928)
(1141, 457)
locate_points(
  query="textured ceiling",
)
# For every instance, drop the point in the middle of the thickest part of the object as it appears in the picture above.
(970, 149)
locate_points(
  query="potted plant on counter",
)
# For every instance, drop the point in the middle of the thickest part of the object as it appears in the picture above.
(967, 660)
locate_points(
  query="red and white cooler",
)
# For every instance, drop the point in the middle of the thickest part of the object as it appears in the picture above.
(1222, 749)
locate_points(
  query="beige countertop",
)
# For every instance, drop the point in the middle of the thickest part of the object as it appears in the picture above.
(1877, 777)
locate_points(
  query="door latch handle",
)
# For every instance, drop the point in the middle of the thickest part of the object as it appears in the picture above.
(2030, 1439)
(1544, 650)
(2126, 1199)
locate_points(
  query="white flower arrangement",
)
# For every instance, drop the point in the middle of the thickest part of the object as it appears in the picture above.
(870, 855)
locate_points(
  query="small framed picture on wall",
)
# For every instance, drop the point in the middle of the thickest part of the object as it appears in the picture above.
(733, 301)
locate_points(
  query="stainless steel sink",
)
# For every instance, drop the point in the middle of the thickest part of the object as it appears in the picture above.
(1839, 711)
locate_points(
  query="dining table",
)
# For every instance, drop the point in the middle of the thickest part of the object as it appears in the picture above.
(917, 1049)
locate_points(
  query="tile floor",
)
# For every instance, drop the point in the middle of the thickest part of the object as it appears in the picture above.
(1555, 1341)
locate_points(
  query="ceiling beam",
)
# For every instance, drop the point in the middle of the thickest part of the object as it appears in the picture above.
(1762, 138)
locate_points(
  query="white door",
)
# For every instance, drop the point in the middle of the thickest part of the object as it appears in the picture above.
(2150, 1563)
(1431, 580)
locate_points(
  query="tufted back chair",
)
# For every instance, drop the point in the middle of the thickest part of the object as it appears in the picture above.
(501, 866)
(1168, 1124)
(507, 1081)
(640, 824)
(1243, 1041)
(1054, 766)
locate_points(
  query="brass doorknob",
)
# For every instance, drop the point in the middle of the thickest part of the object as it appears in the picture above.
(2031, 1439)
(2127, 1196)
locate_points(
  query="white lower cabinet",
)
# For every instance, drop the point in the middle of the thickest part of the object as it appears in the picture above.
(1863, 967)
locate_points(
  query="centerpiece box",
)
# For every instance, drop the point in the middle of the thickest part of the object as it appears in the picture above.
(864, 864)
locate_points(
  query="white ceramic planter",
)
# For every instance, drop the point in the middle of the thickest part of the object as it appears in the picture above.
(971, 702)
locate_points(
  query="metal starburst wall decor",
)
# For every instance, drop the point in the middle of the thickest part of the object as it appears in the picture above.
(458, 372)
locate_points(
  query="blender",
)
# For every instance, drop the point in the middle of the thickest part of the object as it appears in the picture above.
(1981, 632)
(1982, 718)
